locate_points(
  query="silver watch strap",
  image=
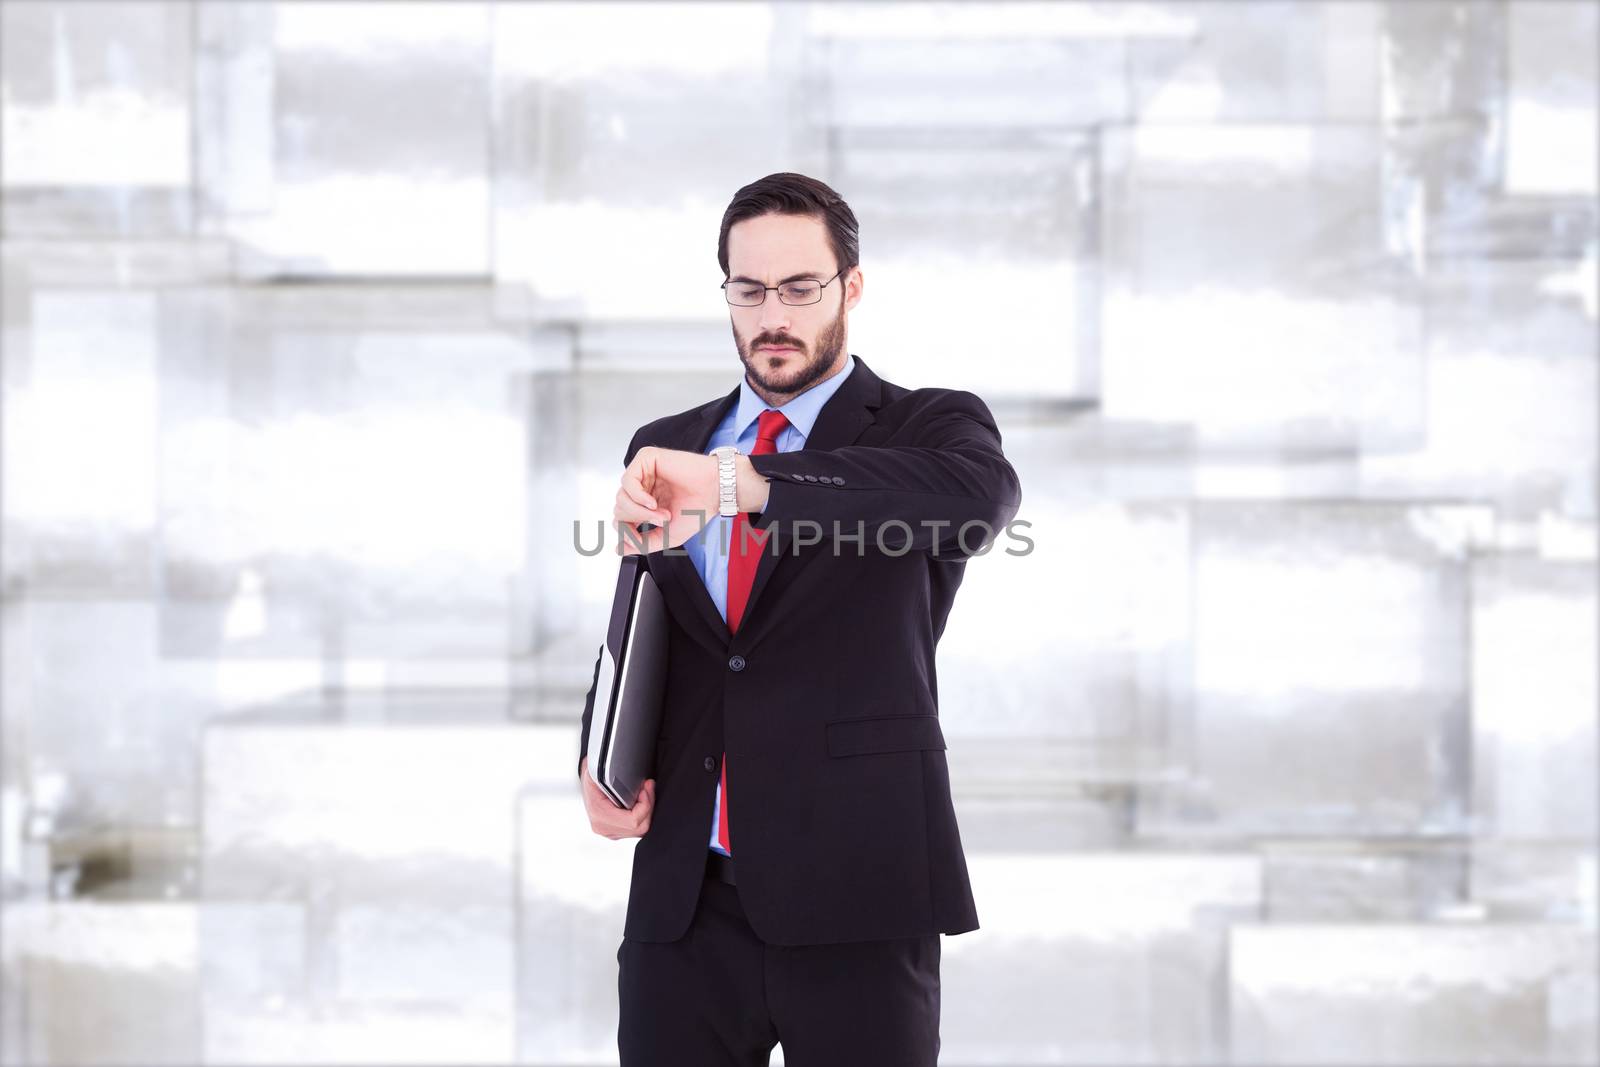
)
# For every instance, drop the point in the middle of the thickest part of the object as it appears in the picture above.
(727, 487)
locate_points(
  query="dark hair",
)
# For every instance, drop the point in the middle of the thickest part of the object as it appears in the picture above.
(786, 193)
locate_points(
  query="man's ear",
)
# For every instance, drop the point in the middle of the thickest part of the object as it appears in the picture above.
(855, 283)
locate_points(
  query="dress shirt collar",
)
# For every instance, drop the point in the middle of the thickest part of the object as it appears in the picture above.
(801, 412)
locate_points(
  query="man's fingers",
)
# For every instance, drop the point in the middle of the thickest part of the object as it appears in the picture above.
(639, 479)
(628, 516)
(626, 519)
(642, 805)
(632, 489)
(629, 542)
(627, 509)
(617, 824)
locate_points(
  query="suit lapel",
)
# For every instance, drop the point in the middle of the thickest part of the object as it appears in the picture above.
(842, 420)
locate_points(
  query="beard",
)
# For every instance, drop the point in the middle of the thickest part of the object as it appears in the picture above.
(801, 370)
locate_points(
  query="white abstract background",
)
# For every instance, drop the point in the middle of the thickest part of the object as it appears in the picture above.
(324, 321)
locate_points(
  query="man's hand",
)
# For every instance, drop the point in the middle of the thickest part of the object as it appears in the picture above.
(608, 820)
(676, 490)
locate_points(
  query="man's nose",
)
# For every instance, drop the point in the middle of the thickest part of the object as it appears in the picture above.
(774, 314)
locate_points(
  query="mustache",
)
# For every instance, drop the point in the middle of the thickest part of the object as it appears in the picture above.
(783, 342)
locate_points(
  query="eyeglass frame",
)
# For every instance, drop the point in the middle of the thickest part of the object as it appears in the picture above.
(774, 289)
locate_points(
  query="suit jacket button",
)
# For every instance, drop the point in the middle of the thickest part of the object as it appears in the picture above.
(710, 764)
(798, 477)
(811, 477)
(837, 480)
(736, 663)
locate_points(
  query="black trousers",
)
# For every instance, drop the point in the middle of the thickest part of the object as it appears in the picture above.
(720, 997)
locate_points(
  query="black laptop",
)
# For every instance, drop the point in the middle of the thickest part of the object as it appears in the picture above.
(629, 688)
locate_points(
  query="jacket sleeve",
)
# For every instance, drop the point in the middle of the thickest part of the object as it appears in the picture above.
(952, 477)
(594, 682)
(588, 715)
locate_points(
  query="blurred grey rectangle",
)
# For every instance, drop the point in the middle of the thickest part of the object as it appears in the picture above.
(1405, 994)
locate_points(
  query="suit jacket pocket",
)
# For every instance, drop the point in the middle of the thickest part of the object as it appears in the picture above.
(889, 733)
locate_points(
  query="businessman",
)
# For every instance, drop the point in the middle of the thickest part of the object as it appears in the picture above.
(799, 856)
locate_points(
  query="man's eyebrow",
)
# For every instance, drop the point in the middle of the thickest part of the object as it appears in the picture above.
(810, 275)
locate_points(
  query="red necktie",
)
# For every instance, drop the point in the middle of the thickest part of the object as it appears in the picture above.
(745, 555)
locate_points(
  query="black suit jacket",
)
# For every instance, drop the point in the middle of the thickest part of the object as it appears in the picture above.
(826, 701)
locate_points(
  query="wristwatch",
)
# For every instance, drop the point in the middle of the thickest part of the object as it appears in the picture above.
(727, 490)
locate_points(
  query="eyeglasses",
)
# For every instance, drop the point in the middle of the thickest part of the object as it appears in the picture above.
(801, 292)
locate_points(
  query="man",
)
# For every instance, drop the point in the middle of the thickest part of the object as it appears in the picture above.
(799, 855)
